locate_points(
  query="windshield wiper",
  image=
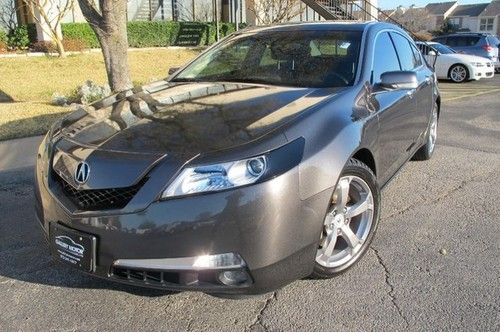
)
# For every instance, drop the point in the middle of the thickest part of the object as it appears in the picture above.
(185, 80)
(246, 80)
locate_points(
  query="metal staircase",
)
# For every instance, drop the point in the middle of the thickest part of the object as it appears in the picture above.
(147, 10)
(338, 10)
(353, 10)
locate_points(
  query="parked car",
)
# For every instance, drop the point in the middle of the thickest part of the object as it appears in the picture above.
(480, 44)
(258, 163)
(448, 64)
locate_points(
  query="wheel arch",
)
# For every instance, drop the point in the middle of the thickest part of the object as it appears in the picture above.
(366, 157)
(438, 102)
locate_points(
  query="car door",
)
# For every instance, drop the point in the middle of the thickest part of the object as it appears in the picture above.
(395, 111)
(411, 60)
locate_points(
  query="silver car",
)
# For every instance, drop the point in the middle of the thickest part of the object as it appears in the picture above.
(258, 163)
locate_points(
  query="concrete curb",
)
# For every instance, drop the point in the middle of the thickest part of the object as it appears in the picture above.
(18, 153)
(98, 50)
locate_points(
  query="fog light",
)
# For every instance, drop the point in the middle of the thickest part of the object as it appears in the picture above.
(234, 278)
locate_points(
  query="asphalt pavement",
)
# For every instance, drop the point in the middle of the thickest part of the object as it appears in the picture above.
(434, 263)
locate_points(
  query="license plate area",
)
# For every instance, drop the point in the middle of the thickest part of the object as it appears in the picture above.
(72, 247)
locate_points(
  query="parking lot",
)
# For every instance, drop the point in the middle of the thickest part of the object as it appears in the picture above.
(434, 263)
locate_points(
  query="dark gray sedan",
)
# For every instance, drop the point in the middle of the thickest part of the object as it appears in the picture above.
(258, 163)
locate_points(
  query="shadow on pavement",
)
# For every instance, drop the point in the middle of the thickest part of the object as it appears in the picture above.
(24, 254)
(5, 98)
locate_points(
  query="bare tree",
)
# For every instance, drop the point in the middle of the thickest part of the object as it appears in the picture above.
(275, 11)
(8, 17)
(108, 19)
(204, 11)
(49, 15)
(413, 19)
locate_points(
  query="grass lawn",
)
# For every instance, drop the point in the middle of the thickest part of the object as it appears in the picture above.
(28, 83)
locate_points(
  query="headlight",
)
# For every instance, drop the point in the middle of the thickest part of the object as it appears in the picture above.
(477, 64)
(217, 177)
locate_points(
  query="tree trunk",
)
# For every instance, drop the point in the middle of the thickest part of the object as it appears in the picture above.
(114, 49)
(60, 47)
(110, 26)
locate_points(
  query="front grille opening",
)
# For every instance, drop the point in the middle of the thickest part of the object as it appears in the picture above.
(208, 278)
(149, 277)
(100, 199)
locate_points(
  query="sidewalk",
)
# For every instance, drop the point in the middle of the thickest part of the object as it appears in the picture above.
(98, 50)
(18, 153)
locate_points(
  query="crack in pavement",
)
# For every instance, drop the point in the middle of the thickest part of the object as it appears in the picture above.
(190, 324)
(457, 146)
(390, 285)
(257, 324)
(440, 198)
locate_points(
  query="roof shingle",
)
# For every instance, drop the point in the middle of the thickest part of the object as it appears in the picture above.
(470, 10)
(439, 8)
(493, 9)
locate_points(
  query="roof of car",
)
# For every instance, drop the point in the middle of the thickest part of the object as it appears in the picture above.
(465, 34)
(322, 26)
(426, 43)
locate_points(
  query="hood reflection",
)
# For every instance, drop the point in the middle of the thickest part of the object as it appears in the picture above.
(187, 118)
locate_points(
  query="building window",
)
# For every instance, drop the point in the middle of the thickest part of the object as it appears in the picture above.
(486, 24)
(456, 22)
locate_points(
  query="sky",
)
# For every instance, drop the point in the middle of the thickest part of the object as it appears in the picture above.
(391, 4)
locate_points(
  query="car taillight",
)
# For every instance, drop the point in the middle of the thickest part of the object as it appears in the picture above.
(487, 48)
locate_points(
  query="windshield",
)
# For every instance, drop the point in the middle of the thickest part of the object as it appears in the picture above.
(443, 49)
(299, 58)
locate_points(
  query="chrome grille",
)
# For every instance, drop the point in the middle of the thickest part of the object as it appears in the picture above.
(100, 199)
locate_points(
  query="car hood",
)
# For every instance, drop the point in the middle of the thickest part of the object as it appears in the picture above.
(187, 118)
(173, 121)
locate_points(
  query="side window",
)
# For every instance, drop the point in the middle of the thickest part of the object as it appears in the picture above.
(385, 57)
(453, 41)
(424, 49)
(405, 52)
(472, 41)
(418, 55)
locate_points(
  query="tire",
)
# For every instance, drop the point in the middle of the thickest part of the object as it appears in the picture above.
(336, 256)
(427, 150)
(458, 73)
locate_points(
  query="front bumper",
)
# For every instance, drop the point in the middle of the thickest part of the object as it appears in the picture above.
(482, 72)
(267, 225)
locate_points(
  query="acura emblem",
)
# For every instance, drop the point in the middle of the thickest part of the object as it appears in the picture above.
(82, 172)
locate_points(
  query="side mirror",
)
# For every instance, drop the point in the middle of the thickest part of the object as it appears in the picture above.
(432, 53)
(173, 70)
(399, 80)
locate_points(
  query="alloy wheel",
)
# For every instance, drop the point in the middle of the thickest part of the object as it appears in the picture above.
(347, 223)
(458, 74)
(433, 130)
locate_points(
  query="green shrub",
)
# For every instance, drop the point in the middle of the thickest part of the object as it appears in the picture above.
(155, 33)
(18, 38)
(151, 34)
(80, 31)
(32, 34)
(3, 37)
